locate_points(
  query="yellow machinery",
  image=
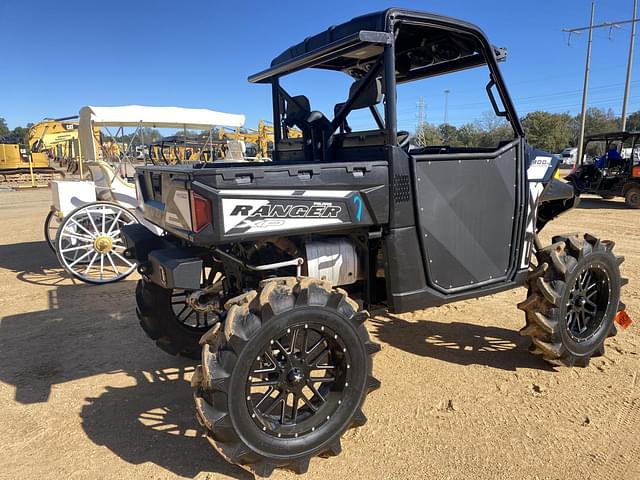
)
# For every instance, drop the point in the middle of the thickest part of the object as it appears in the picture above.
(183, 149)
(18, 166)
(262, 138)
(59, 137)
(46, 141)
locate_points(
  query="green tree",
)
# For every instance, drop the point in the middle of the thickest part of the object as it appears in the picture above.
(4, 129)
(633, 121)
(468, 135)
(548, 131)
(427, 134)
(19, 134)
(597, 121)
(150, 135)
(448, 133)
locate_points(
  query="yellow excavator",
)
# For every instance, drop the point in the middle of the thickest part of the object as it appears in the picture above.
(19, 167)
(262, 138)
(30, 164)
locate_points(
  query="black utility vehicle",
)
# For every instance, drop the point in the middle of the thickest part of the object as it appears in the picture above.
(272, 265)
(609, 167)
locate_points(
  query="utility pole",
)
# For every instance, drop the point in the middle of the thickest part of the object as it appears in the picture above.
(420, 117)
(590, 28)
(585, 87)
(420, 112)
(446, 106)
(629, 63)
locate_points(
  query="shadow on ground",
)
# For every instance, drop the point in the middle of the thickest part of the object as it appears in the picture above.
(33, 262)
(89, 330)
(459, 343)
(595, 202)
(153, 421)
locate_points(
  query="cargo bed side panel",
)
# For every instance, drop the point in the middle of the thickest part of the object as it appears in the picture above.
(251, 202)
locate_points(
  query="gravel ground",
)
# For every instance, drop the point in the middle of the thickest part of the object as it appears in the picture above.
(84, 394)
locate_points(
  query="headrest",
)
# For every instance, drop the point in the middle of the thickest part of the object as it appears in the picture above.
(371, 95)
(300, 103)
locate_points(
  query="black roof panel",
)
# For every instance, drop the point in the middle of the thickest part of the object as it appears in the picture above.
(377, 21)
(372, 22)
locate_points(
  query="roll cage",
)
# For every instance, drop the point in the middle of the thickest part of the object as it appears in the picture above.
(629, 139)
(180, 149)
(379, 51)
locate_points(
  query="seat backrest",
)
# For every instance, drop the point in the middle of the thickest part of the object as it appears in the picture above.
(109, 186)
(370, 96)
(345, 124)
(297, 110)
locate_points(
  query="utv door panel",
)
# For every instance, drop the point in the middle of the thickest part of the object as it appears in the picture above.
(465, 213)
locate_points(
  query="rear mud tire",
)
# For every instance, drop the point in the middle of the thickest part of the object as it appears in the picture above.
(558, 290)
(159, 321)
(226, 404)
(632, 197)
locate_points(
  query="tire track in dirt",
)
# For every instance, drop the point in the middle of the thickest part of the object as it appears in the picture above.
(619, 461)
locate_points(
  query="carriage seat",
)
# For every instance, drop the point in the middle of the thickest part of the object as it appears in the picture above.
(110, 187)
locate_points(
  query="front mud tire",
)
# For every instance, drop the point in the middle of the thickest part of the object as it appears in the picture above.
(575, 276)
(259, 331)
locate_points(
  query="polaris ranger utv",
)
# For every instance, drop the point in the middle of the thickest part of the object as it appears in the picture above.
(271, 266)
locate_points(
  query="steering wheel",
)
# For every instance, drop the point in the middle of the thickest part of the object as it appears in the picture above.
(404, 139)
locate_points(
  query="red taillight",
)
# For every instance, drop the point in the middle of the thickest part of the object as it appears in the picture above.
(200, 212)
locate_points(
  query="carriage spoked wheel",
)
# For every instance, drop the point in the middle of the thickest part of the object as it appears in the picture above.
(51, 226)
(90, 246)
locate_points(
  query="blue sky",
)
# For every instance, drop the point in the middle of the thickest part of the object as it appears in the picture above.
(59, 56)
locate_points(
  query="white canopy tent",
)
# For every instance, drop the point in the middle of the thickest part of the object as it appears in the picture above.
(141, 116)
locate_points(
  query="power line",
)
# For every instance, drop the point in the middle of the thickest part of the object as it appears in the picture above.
(533, 100)
(610, 25)
(590, 29)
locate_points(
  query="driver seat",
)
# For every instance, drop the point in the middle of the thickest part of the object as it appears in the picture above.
(317, 130)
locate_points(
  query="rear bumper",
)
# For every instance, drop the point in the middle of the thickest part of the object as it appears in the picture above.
(161, 261)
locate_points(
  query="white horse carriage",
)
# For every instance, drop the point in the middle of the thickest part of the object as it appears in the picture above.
(83, 226)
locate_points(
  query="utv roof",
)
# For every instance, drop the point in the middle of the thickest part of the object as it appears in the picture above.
(346, 45)
(603, 137)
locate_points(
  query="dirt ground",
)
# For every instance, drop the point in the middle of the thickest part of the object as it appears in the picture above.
(84, 394)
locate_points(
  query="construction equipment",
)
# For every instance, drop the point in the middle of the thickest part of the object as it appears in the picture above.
(19, 167)
(59, 139)
(261, 138)
(285, 256)
(179, 149)
(47, 143)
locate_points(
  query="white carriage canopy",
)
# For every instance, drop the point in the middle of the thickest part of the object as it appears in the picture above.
(143, 116)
